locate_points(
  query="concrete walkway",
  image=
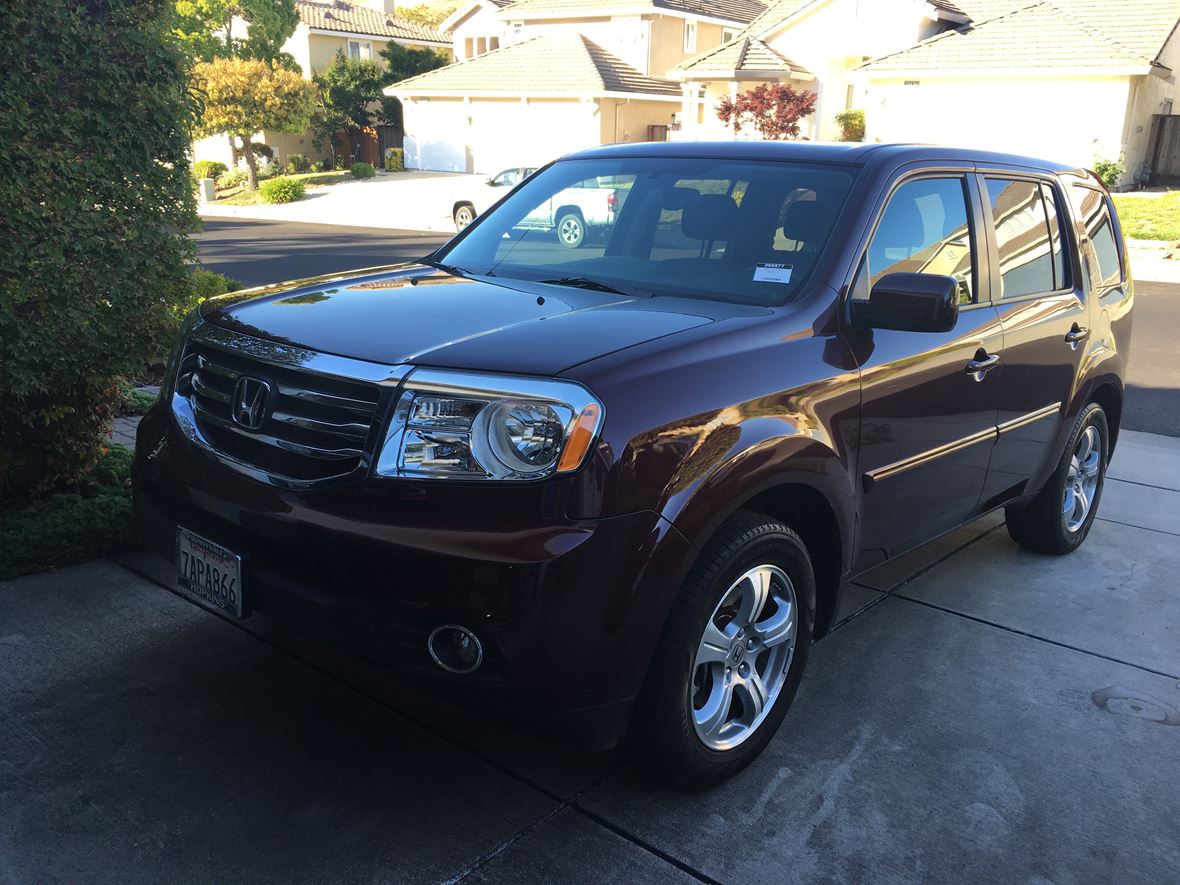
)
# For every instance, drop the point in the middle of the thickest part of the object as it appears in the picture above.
(982, 714)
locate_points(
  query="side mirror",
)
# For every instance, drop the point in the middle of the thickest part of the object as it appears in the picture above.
(491, 182)
(911, 302)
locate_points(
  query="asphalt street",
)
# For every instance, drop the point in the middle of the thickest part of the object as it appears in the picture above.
(258, 252)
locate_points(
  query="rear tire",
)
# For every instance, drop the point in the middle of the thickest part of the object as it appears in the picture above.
(727, 667)
(1058, 519)
(571, 230)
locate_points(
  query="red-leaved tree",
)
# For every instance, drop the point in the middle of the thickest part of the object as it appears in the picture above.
(773, 109)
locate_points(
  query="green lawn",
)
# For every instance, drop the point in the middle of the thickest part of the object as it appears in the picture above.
(1150, 218)
(245, 197)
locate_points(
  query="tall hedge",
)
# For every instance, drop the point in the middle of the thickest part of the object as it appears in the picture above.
(95, 208)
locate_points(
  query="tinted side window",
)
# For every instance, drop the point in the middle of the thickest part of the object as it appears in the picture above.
(1022, 236)
(925, 230)
(1100, 250)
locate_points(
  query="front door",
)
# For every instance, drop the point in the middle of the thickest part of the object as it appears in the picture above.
(929, 400)
(1041, 298)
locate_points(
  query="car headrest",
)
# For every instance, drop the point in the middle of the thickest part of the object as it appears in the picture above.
(806, 221)
(710, 217)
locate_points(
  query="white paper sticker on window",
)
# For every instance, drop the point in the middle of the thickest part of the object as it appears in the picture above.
(772, 273)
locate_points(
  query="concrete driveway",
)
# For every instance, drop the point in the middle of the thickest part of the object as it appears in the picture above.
(981, 714)
(419, 201)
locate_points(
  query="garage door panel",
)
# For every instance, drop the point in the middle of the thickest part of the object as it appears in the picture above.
(436, 136)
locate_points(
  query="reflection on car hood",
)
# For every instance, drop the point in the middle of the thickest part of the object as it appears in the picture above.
(417, 314)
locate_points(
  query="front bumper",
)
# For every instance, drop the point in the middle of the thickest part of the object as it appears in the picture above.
(569, 611)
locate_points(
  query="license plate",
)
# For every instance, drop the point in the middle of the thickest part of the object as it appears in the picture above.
(209, 571)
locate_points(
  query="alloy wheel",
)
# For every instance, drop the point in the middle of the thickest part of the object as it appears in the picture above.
(743, 657)
(570, 231)
(1081, 483)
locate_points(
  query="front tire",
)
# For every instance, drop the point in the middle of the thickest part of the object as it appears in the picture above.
(732, 654)
(1058, 519)
(464, 215)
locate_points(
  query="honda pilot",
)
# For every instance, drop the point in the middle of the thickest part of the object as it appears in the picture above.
(621, 487)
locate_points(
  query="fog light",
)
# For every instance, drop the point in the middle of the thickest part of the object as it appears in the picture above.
(456, 649)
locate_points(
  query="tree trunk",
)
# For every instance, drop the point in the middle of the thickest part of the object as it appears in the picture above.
(251, 165)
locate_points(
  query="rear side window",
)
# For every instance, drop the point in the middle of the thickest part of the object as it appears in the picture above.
(1023, 237)
(925, 230)
(1100, 251)
(1061, 274)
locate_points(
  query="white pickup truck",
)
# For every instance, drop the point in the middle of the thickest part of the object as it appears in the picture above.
(572, 213)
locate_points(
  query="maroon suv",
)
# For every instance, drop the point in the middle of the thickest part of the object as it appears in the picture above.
(622, 482)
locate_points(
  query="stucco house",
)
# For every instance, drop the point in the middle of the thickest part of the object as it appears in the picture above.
(359, 29)
(538, 78)
(815, 45)
(1075, 80)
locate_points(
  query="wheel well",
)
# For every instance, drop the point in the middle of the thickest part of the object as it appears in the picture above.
(1110, 398)
(564, 209)
(808, 512)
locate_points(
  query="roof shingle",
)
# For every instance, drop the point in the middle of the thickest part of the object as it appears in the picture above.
(352, 18)
(738, 11)
(743, 54)
(552, 64)
(1048, 35)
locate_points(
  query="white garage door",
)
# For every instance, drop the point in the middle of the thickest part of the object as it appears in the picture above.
(436, 135)
(506, 134)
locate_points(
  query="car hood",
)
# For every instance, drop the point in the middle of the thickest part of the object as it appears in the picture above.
(421, 315)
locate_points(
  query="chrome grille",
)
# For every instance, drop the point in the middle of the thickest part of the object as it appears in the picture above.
(313, 427)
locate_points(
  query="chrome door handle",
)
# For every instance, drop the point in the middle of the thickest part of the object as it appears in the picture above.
(1077, 334)
(981, 365)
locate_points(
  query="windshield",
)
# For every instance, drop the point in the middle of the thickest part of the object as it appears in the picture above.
(745, 231)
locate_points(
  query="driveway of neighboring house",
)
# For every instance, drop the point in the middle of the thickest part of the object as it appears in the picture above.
(981, 714)
(420, 201)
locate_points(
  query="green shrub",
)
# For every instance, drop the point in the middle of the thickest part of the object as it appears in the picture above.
(133, 400)
(317, 166)
(261, 149)
(89, 518)
(209, 169)
(267, 170)
(395, 160)
(298, 164)
(96, 205)
(282, 190)
(852, 124)
(363, 170)
(233, 178)
(341, 163)
(1110, 171)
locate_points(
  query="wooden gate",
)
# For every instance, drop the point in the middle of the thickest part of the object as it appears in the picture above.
(1163, 153)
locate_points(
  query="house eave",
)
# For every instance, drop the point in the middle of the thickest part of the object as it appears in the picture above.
(740, 76)
(385, 38)
(975, 73)
(410, 94)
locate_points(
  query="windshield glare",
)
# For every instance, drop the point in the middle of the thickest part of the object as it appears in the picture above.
(745, 231)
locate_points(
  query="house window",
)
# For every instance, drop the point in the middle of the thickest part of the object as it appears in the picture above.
(517, 27)
(727, 34)
(362, 49)
(493, 43)
(690, 36)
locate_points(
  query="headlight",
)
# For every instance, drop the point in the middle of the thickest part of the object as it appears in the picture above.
(463, 425)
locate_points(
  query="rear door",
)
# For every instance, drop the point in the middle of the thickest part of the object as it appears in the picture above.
(929, 399)
(1040, 296)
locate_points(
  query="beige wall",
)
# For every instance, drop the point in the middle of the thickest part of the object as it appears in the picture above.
(667, 43)
(1004, 113)
(624, 120)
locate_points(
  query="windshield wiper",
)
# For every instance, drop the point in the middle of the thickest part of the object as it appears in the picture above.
(587, 283)
(453, 269)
